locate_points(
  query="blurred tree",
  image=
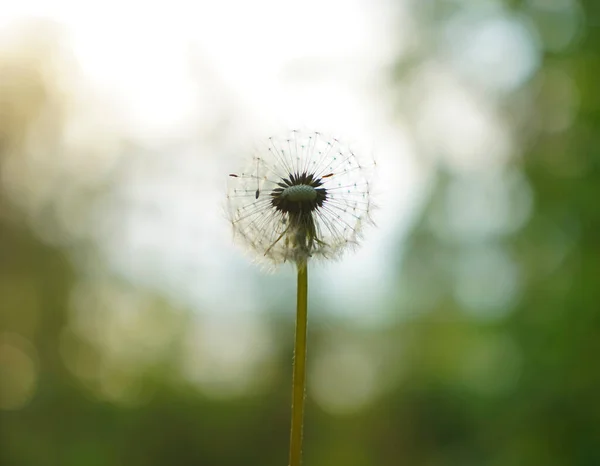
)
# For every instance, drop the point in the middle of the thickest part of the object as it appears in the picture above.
(547, 407)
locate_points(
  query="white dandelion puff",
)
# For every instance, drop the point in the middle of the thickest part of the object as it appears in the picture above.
(302, 195)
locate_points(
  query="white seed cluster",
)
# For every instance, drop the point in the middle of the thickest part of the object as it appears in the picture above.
(281, 168)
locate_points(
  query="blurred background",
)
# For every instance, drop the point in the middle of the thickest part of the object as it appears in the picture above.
(464, 332)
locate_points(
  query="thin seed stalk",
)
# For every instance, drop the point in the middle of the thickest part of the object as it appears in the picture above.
(299, 368)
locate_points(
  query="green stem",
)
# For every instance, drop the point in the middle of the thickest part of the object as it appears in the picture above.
(299, 368)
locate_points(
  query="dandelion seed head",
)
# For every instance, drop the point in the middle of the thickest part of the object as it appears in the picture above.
(303, 195)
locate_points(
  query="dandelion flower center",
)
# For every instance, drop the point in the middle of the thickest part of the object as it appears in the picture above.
(300, 193)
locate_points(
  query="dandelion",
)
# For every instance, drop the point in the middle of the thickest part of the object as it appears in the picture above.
(301, 196)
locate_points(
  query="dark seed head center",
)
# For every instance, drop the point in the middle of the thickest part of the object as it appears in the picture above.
(298, 194)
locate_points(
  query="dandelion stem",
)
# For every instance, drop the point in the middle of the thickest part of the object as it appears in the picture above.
(299, 368)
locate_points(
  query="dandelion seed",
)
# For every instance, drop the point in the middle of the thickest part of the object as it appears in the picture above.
(302, 196)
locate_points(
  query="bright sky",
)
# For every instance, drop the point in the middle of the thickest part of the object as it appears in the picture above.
(170, 70)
